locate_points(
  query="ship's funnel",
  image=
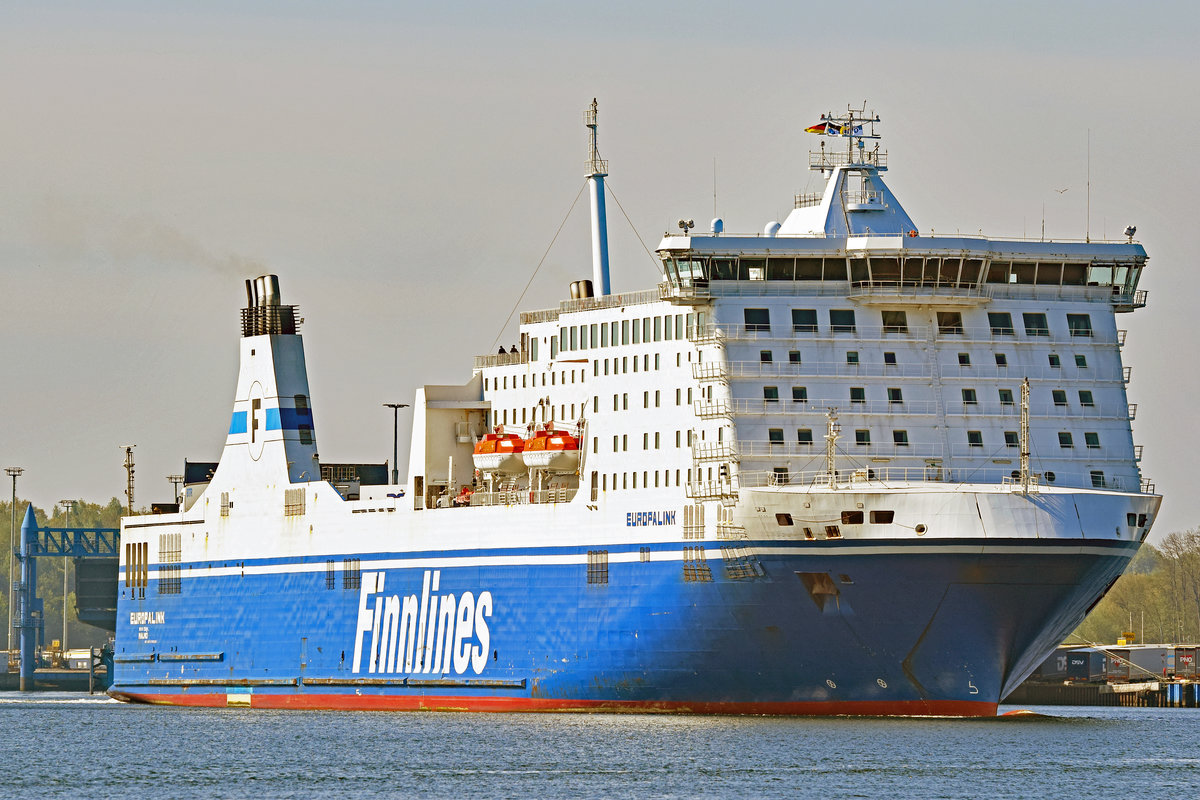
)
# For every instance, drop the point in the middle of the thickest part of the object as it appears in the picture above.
(266, 290)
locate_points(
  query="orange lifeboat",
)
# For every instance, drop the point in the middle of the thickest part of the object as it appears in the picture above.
(556, 451)
(500, 452)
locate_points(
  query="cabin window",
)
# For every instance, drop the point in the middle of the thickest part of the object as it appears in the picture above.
(1060, 397)
(852, 518)
(1098, 481)
(1079, 324)
(804, 436)
(1085, 398)
(1000, 323)
(895, 395)
(1011, 439)
(775, 435)
(771, 394)
(804, 320)
(949, 322)
(862, 437)
(765, 356)
(889, 359)
(895, 322)
(799, 394)
(858, 394)
(841, 320)
(793, 356)
(851, 356)
(882, 517)
(1092, 440)
(1055, 361)
(1035, 324)
(1065, 439)
(1001, 360)
(781, 476)
(964, 359)
(974, 438)
(757, 320)
(969, 397)
(1081, 361)
(1006, 397)
(900, 438)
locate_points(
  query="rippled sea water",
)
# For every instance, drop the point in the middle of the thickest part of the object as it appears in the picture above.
(66, 745)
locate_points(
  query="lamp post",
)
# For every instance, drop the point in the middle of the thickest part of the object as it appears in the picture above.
(395, 407)
(175, 481)
(14, 472)
(67, 505)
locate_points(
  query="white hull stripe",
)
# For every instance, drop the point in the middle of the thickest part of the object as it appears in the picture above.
(710, 553)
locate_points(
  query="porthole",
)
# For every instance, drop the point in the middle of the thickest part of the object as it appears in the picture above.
(921, 529)
(1049, 477)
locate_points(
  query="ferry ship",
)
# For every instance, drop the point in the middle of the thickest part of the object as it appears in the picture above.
(841, 466)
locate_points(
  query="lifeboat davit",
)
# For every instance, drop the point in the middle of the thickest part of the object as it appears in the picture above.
(500, 452)
(556, 451)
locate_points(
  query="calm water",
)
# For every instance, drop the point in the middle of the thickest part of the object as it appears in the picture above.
(60, 745)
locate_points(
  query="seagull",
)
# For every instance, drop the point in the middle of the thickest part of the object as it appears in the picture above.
(1060, 191)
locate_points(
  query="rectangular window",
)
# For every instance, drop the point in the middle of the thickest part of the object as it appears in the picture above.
(1055, 361)
(851, 356)
(330, 574)
(862, 437)
(765, 356)
(799, 394)
(1006, 397)
(1060, 397)
(1079, 325)
(968, 397)
(895, 321)
(975, 438)
(841, 320)
(1081, 360)
(949, 322)
(858, 394)
(804, 436)
(657, 440)
(889, 359)
(1001, 360)
(793, 356)
(964, 359)
(785, 519)
(1098, 479)
(1065, 439)
(351, 573)
(775, 435)
(645, 441)
(757, 319)
(771, 394)
(804, 320)
(882, 517)
(1035, 324)
(852, 518)
(1011, 439)
(781, 476)
(895, 395)
(597, 569)
(658, 329)
(1000, 323)
(1085, 398)
(1092, 440)
(595, 338)
(900, 438)
(624, 332)
(645, 329)
(574, 337)
(637, 332)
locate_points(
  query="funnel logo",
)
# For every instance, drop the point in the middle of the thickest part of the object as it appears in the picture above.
(256, 425)
(430, 633)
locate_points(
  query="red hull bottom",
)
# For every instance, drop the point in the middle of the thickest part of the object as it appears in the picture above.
(376, 702)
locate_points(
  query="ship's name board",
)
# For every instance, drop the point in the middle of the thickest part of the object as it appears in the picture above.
(637, 519)
(426, 633)
(147, 617)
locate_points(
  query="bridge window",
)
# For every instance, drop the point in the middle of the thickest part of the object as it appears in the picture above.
(895, 322)
(949, 322)
(1079, 324)
(841, 320)
(1000, 323)
(1035, 324)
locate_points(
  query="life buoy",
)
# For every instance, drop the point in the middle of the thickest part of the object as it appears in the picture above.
(912, 234)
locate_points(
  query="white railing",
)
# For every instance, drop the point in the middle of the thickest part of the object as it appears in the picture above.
(592, 304)
(732, 331)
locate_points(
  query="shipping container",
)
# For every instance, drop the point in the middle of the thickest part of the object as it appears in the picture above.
(1087, 664)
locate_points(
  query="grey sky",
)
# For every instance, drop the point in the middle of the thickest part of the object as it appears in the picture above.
(403, 167)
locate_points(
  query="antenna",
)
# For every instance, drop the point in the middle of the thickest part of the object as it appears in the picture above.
(129, 475)
(1088, 227)
(1025, 436)
(831, 437)
(714, 187)
(597, 171)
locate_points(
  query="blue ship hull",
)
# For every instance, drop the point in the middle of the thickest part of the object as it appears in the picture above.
(834, 627)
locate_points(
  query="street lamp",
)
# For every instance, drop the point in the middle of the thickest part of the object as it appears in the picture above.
(395, 407)
(175, 481)
(67, 505)
(14, 472)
